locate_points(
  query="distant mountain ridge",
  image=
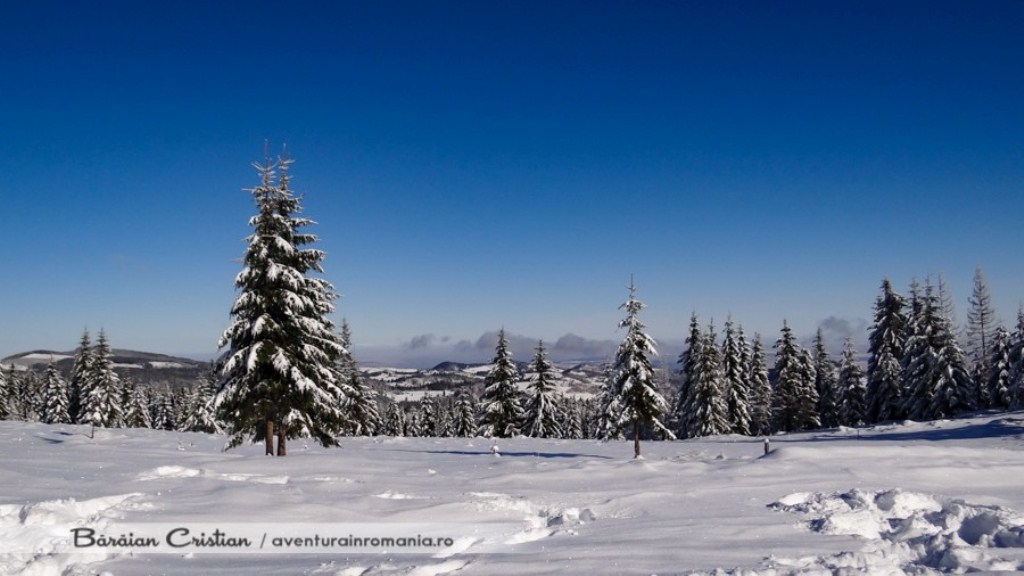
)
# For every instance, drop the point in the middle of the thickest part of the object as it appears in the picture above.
(125, 358)
(144, 368)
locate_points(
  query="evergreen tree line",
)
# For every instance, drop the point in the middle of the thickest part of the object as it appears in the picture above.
(917, 368)
(458, 415)
(96, 395)
(920, 367)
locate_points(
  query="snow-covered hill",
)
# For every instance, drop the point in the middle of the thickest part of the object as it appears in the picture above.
(123, 359)
(143, 368)
(912, 498)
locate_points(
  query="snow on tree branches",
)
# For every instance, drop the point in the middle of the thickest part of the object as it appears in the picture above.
(501, 405)
(631, 401)
(280, 366)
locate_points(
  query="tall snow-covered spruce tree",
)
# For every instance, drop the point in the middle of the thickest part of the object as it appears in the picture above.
(280, 366)
(543, 417)
(101, 392)
(795, 398)
(935, 373)
(760, 390)
(80, 371)
(708, 405)
(736, 378)
(501, 404)
(982, 325)
(885, 394)
(825, 383)
(684, 405)
(631, 400)
(852, 390)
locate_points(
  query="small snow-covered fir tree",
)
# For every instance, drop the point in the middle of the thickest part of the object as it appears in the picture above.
(445, 427)
(825, 383)
(279, 370)
(412, 424)
(795, 399)
(394, 420)
(101, 393)
(590, 416)
(359, 404)
(809, 399)
(19, 394)
(501, 404)
(543, 417)
(631, 400)
(164, 416)
(852, 391)
(128, 390)
(736, 379)
(574, 429)
(5, 412)
(33, 390)
(80, 371)
(136, 411)
(427, 417)
(362, 417)
(183, 402)
(55, 397)
(997, 384)
(887, 341)
(203, 416)
(1015, 376)
(955, 390)
(760, 390)
(347, 360)
(464, 421)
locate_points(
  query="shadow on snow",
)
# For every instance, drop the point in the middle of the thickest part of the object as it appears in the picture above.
(999, 428)
(504, 454)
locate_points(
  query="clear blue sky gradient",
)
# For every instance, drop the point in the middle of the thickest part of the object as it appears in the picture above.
(481, 164)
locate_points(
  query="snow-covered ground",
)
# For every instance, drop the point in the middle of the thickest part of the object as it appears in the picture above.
(911, 498)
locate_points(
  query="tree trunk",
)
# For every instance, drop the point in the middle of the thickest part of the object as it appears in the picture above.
(269, 439)
(636, 441)
(281, 450)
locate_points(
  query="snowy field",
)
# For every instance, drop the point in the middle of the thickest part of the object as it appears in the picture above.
(913, 498)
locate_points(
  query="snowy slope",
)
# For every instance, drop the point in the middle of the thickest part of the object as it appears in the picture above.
(911, 498)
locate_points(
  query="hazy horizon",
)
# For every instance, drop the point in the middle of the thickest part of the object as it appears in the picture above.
(427, 350)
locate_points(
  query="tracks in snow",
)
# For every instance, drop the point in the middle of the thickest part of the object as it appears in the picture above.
(908, 533)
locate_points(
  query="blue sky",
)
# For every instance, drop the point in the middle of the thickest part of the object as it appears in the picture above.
(481, 164)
